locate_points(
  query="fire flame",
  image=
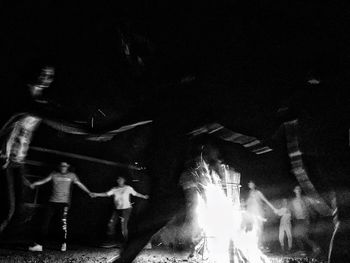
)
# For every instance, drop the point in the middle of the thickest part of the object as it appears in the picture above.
(224, 240)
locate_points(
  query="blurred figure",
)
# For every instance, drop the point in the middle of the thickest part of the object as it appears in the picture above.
(255, 209)
(121, 195)
(301, 206)
(340, 242)
(58, 203)
(44, 81)
(285, 228)
(15, 150)
(336, 222)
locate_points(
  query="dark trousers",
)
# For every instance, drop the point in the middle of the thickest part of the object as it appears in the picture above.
(54, 208)
(123, 216)
(14, 178)
(301, 234)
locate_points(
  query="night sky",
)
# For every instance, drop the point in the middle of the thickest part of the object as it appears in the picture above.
(191, 62)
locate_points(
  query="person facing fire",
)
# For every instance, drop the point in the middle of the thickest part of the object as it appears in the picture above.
(255, 210)
(301, 206)
(58, 203)
(121, 195)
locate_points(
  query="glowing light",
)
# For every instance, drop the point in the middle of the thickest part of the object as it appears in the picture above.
(224, 240)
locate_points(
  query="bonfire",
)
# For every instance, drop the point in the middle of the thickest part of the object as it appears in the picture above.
(224, 238)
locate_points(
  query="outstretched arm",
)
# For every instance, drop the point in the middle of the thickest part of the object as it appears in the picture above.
(134, 193)
(141, 195)
(83, 187)
(100, 195)
(266, 201)
(106, 194)
(278, 212)
(41, 182)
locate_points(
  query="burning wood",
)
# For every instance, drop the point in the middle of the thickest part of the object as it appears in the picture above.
(219, 217)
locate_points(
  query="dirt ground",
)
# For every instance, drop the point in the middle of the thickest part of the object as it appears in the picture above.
(78, 254)
(75, 254)
(168, 256)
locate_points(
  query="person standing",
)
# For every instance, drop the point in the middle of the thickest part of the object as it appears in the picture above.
(255, 211)
(121, 195)
(285, 228)
(301, 206)
(58, 203)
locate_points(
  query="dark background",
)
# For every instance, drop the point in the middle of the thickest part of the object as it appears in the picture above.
(251, 57)
(233, 62)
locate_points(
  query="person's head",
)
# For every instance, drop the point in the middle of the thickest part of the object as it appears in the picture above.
(64, 167)
(297, 190)
(251, 185)
(46, 76)
(121, 181)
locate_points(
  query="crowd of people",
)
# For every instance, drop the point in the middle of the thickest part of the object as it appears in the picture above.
(294, 218)
(60, 199)
(294, 214)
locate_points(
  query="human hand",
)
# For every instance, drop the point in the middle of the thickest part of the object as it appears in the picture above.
(5, 165)
(146, 196)
(92, 195)
(32, 186)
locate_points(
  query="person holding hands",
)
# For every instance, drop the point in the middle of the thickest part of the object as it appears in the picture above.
(121, 196)
(59, 202)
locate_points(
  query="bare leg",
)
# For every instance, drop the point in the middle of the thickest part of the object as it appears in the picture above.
(288, 231)
(259, 232)
(281, 236)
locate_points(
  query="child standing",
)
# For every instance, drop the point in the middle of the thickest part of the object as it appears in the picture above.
(285, 228)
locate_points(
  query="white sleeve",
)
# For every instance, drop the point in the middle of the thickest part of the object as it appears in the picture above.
(132, 191)
(110, 192)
